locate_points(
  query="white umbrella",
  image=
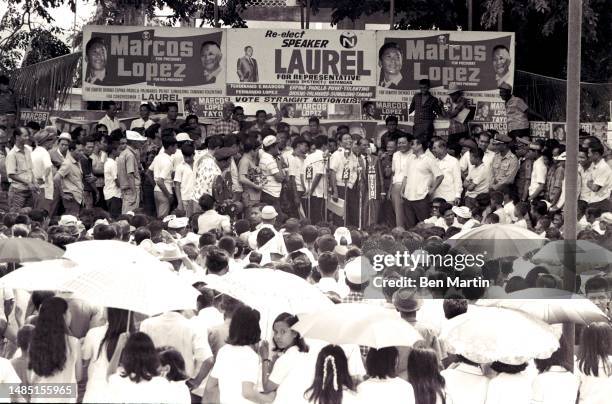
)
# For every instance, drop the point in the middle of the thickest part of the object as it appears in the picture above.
(42, 275)
(147, 289)
(498, 240)
(266, 289)
(550, 305)
(588, 254)
(109, 252)
(358, 323)
(491, 334)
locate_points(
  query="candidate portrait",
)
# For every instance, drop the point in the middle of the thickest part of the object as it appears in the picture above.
(390, 61)
(246, 66)
(210, 56)
(96, 56)
(501, 65)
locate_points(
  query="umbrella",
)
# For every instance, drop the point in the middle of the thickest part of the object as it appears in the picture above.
(20, 249)
(497, 241)
(491, 334)
(42, 275)
(148, 289)
(110, 252)
(550, 305)
(265, 289)
(358, 323)
(588, 254)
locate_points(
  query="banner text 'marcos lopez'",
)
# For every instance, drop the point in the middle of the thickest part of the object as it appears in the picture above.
(152, 59)
(312, 59)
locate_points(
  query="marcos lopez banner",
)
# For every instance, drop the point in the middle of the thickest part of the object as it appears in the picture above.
(476, 62)
(301, 66)
(152, 63)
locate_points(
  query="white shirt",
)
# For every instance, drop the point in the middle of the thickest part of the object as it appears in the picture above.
(338, 162)
(111, 190)
(451, 186)
(555, 386)
(98, 364)
(212, 220)
(7, 375)
(207, 318)
(315, 160)
(233, 366)
(252, 240)
(111, 124)
(163, 167)
(399, 166)
(509, 389)
(186, 177)
(509, 210)
(41, 161)
(481, 176)
(423, 171)
(123, 390)
(389, 391)
(327, 284)
(595, 389)
(172, 329)
(141, 123)
(269, 168)
(466, 165)
(538, 175)
(601, 174)
(296, 168)
(293, 372)
(466, 384)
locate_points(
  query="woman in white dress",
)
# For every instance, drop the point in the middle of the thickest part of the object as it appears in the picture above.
(511, 385)
(594, 367)
(383, 385)
(555, 383)
(424, 376)
(98, 349)
(332, 382)
(54, 356)
(137, 379)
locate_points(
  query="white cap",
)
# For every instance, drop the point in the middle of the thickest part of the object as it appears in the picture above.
(343, 232)
(462, 211)
(268, 213)
(183, 137)
(560, 157)
(65, 136)
(606, 217)
(68, 220)
(178, 223)
(168, 218)
(356, 272)
(134, 136)
(269, 141)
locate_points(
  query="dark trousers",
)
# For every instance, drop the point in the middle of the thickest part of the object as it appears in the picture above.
(114, 207)
(268, 199)
(316, 209)
(351, 202)
(101, 202)
(416, 212)
(603, 206)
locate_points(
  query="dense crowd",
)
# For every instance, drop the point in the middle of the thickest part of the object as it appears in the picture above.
(251, 194)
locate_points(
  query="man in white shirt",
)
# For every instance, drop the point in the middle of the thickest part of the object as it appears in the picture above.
(210, 219)
(110, 120)
(268, 218)
(111, 190)
(43, 168)
(478, 180)
(424, 177)
(184, 179)
(484, 140)
(399, 168)
(316, 184)
(270, 194)
(328, 268)
(466, 383)
(163, 169)
(598, 179)
(296, 167)
(344, 172)
(451, 187)
(539, 170)
(144, 121)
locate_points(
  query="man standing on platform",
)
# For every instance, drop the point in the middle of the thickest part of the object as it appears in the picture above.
(128, 171)
(451, 187)
(344, 168)
(372, 191)
(426, 107)
(315, 187)
(226, 124)
(23, 191)
(505, 164)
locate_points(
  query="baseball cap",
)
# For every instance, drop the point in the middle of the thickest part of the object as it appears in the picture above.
(268, 212)
(183, 137)
(269, 141)
(134, 136)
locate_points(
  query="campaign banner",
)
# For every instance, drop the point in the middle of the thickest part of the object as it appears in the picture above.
(204, 107)
(541, 129)
(301, 110)
(40, 117)
(380, 110)
(489, 115)
(301, 66)
(476, 62)
(158, 64)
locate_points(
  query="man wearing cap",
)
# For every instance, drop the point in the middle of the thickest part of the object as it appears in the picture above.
(145, 118)
(457, 129)
(268, 219)
(60, 151)
(110, 119)
(356, 279)
(69, 180)
(598, 179)
(226, 124)
(451, 187)
(523, 175)
(464, 217)
(42, 168)
(517, 112)
(505, 164)
(270, 167)
(23, 190)
(128, 172)
(539, 170)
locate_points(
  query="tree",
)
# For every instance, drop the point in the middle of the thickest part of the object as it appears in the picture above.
(43, 45)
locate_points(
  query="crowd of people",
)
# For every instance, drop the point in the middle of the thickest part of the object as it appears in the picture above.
(251, 194)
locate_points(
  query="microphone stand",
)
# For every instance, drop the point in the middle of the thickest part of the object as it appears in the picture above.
(325, 185)
(360, 185)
